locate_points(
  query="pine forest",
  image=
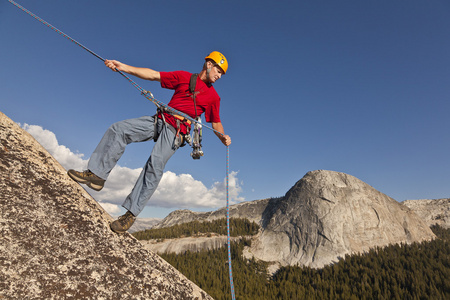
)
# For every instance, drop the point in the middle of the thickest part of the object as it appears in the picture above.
(414, 271)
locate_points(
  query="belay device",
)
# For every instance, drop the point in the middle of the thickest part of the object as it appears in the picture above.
(197, 151)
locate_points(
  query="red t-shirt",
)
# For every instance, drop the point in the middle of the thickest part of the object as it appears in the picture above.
(207, 100)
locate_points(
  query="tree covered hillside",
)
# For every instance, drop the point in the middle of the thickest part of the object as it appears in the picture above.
(238, 227)
(416, 271)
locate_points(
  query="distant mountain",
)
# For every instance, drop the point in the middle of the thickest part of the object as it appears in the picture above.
(435, 211)
(254, 211)
(143, 224)
(55, 238)
(323, 217)
(327, 215)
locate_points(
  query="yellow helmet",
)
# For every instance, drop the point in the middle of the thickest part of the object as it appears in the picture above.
(219, 59)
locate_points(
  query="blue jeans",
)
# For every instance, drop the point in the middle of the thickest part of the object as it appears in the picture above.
(112, 146)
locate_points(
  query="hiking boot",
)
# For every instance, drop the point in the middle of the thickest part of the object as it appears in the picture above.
(123, 223)
(88, 178)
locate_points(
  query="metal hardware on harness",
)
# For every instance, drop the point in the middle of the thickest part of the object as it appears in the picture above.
(197, 151)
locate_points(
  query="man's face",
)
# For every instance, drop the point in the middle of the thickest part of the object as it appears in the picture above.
(215, 74)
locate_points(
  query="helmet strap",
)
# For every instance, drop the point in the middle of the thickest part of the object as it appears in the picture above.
(208, 78)
(208, 70)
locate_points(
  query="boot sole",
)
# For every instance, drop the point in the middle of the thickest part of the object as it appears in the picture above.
(95, 187)
(118, 232)
(120, 229)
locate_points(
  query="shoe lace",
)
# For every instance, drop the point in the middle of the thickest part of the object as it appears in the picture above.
(88, 173)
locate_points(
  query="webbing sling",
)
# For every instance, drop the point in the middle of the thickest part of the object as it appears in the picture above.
(197, 151)
(150, 97)
(192, 85)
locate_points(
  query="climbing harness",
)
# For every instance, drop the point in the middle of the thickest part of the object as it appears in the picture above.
(182, 139)
(215, 56)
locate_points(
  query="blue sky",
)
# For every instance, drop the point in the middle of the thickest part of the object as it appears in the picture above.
(359, 87)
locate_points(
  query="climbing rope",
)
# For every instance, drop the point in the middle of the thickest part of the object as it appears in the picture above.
(145, 93)
(158, 103)
(228, 229)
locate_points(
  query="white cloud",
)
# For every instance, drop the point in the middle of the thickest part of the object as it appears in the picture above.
(174, 191)
(111, 209)
(184, 191)
(62, 154)
(119, 184)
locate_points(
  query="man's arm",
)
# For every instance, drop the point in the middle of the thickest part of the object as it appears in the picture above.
(225, 139)
(144, 73)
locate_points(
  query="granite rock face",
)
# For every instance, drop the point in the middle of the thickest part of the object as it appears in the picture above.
(327, 215)
(434, 212)
(192, 244)
(55, 238)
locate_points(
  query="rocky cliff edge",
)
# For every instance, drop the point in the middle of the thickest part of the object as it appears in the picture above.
(55, 238)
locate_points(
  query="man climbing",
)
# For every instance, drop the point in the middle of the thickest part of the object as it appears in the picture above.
(168, 130)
